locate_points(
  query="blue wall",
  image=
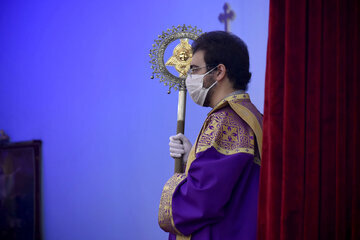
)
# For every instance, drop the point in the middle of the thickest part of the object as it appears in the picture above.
(75, 74)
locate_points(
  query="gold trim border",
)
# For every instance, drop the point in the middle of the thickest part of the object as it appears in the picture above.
(165, 218)
(251, 120)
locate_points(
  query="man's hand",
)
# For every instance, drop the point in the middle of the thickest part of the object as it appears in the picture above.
(180, 146)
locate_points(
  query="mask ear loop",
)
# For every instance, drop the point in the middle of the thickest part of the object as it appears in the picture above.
(211, 86)
(214, 82)
(210, 70)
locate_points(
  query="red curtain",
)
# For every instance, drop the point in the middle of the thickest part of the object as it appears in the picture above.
(310, 174)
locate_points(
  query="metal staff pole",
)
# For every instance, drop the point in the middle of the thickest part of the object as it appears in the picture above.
(179, 166)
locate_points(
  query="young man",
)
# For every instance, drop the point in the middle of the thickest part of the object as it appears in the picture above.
(216, 197)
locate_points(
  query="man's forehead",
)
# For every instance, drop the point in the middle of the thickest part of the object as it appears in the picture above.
(198, 58)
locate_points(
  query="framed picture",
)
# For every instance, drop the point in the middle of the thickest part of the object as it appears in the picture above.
(20, 197)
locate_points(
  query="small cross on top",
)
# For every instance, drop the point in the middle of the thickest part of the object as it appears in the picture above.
(227, 16)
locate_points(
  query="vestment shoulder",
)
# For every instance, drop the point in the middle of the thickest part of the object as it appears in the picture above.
(226, 132)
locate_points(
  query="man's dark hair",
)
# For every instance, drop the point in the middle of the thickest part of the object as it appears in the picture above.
(228, 49)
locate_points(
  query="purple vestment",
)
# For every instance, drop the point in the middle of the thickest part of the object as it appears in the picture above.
(216, 199)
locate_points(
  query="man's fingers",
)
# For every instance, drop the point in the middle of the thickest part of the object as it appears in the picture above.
(176, 145)
(177, 150)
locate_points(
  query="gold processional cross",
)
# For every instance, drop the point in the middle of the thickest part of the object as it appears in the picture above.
(181, 57)
(181, 60)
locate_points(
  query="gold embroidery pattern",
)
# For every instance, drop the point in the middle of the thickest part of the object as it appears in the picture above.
(252, 117)
(247, 104)
(191, 158)
(166, 220)
(227, 133)
(224, 102)
(242, 105)
(181, 237)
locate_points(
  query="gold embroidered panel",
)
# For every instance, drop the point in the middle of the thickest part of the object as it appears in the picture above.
(227, 133)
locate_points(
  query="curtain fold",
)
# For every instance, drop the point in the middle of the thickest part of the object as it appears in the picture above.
(310, 174)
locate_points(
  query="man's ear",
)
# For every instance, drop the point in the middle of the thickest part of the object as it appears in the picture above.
(220, 72)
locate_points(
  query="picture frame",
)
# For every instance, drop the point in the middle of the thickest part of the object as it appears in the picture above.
(20, 190)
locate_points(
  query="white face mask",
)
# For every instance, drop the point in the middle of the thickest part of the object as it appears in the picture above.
(194, 84)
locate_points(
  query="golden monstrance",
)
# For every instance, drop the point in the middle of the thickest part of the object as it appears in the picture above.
(181, 59)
